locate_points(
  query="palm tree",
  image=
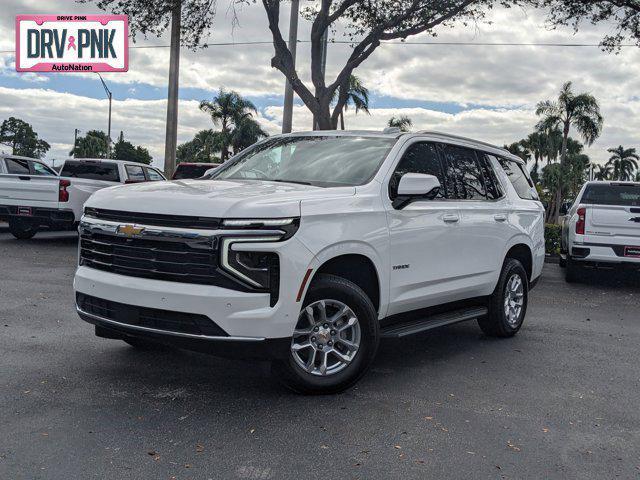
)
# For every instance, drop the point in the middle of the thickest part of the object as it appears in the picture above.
(403, 122)
(357, 95)
(519, 149)
(246, 133)
(623, 162)
(602, 172)
(227, 109)
(570, 110)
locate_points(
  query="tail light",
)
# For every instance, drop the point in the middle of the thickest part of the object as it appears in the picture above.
(63, 194)
(582, 211)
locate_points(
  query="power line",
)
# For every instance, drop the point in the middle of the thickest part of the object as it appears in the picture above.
(428, 43)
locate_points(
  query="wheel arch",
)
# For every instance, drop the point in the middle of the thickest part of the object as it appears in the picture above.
(522, 252)
(357, 267)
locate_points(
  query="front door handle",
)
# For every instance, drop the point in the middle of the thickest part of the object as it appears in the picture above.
(500, 217)
(451, 218)
(24, 178)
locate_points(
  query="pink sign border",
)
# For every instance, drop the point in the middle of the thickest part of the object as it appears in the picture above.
(96, 67)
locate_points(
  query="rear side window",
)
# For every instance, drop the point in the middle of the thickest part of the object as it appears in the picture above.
(40, 169)
(494, 190)
(419, 158)
(519, 178)
(16, 166)
(190, 171)
(107, 172)
(627, 195)
(152, 175)
(464, 171)
(135, 173)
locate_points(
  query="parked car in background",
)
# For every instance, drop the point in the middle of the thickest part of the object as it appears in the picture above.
(33, 195)
(192, 170)
(308, 248)
(602, 228)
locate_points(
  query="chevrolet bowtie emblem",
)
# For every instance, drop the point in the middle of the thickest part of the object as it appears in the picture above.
(130, 230)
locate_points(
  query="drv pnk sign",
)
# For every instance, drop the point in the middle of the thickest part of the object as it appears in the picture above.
(72, 43)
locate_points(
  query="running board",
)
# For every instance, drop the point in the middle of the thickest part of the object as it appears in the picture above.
(399, 330)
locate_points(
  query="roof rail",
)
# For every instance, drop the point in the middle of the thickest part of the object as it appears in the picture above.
(459, 137)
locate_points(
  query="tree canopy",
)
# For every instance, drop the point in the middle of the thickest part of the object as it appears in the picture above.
(124, 150)
(153, 17)
(22, 139)
(621, 16)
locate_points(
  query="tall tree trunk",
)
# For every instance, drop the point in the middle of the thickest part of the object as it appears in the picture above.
(342, 120)
(563, 167)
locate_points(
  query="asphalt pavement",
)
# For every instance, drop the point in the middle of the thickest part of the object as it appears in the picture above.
(561, 400)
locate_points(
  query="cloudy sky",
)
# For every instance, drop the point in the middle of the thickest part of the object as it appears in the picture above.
(484, 92)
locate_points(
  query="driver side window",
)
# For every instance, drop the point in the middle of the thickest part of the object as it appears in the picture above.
(421, 157)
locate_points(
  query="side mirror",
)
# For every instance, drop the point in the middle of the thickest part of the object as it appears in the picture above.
(416, 186)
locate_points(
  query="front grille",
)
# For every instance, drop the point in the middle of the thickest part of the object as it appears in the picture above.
(165, 320)
(179, 221)
(186, 261)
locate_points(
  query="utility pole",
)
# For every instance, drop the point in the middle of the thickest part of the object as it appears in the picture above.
(75, 140)
(109, 96)
(171, 136)
(287, 116)
(323, 64)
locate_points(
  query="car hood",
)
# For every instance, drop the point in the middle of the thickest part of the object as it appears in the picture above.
(213, 198)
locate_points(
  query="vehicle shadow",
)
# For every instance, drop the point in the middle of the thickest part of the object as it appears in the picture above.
(43, 238)
(610, 278)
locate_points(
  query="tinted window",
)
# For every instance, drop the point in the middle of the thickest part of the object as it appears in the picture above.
(419, 158)
(190, 171)
(612, 194)
(17, 167)
(135, 173)
(519, 179)
(465, 174)
(91, 170)
(40, 169)
(490, 179)
(152, 175)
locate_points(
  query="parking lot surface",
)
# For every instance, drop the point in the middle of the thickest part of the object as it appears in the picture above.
(560, 400)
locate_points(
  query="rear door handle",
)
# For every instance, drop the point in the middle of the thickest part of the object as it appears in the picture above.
(500, 217)
(451, 218)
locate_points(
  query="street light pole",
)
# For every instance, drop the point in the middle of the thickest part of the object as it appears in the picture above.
(171, 134)
(110, 97)
(287, 116)
(75, 140)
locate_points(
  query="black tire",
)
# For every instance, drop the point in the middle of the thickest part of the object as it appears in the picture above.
(331, 287)
(572, 272)
(145, 345)
(562, 261)
(496, 323)
(22, 229)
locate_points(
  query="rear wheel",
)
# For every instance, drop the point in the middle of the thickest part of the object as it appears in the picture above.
(335, 339)
(22, 229)
(508, 303)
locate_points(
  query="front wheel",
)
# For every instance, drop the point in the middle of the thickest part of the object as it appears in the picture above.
(22, 229)
(335, 339)
(508, 303)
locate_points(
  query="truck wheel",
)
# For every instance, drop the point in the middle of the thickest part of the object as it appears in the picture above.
(508, 303)
(22, 229)
(572, 271)
(335, 339)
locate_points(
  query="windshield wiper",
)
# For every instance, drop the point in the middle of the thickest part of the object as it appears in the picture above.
(289, 181)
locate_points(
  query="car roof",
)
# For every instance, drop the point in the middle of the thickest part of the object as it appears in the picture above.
(611, 182)
(396, 134)
(190, 164)
(19, 157)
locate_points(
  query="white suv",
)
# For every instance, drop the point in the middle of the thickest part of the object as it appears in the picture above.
(309, 248)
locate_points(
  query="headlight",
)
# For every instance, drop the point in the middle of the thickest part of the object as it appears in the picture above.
(254, 268)
(288, 226)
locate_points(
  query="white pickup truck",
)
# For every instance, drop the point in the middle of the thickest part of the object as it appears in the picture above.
(32, 195)
(602, 228)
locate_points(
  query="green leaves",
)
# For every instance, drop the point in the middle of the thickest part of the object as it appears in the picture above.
(22, 139)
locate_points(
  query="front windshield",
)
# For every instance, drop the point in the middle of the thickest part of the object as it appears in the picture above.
(326, 161)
